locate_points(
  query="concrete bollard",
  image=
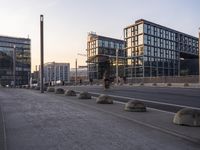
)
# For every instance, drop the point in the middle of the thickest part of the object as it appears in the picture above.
(37, 88)
(59, 91)
(154, 84)
(186, 84)
(135, 106)
(169, 84)
(50, 89)
(84, 95)
(188, 117)
(104, 99)
(70, 93)
(141, 84)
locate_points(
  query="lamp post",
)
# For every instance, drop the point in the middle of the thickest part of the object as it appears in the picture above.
(41, 53)
(199, 55)
(14, 65)
(76, 73)
(117, 73)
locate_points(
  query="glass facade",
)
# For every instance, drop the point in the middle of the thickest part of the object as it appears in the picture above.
(18, 48)
(154, 50)
(101, 54)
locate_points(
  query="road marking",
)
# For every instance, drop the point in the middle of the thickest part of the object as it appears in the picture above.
(163, 111)
(161, 103)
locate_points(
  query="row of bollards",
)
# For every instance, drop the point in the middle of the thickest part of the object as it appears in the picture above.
(185, 116)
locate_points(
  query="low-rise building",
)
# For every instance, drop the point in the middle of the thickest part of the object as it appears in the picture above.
(56, 73)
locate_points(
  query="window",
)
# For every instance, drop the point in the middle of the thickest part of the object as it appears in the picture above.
(129, 52)
(152, 40)
(106, 43)
(145, 50)
(140, 40)
(140, 28)
(129, 32)
(145, 39)
(129, 42)
(145, 28)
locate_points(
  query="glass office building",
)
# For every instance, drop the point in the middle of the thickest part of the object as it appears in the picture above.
(15, 60)
(102, 55)
(154, 50)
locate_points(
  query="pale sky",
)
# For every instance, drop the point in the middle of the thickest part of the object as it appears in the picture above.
(67, 22)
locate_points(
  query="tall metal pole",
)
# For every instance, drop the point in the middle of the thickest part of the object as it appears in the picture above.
(199, 55)
(14, 66)
(41, 53)
(76, 73)
(117, 74)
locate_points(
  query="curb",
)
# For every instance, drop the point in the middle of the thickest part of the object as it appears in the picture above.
(3, 145)
(149, 103)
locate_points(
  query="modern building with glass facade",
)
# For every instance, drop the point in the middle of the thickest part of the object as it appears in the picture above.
(101, 56)
(55, 73)
(15, 60)
(154, 50)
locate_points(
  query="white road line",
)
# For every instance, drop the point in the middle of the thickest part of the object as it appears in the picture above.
(162, 103)
(163, 111)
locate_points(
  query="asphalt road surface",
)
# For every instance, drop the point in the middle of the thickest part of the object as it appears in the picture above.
(36, 121)
(179, 96)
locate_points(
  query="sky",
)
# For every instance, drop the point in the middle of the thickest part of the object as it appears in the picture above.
(68, 22)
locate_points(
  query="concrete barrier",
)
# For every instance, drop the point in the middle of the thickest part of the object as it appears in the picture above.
(169, 84)
(84, 95)
(50, 89)
(135, 106)
(186, 84)
(59, 91)
(104, 99)
(37, 88)
(70, 93)
(188, 117)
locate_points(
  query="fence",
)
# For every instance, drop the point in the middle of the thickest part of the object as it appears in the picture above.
(166, 79)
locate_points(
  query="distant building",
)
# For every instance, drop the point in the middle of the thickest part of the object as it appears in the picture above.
(154, 50)
(82, 73)
(101, 56)
(16, 51)
(56, 73)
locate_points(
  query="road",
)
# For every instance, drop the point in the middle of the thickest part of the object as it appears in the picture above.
(178, 96)
(36, 121)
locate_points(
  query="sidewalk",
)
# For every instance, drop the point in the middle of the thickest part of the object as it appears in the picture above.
(2, 131)
(52, 121)
(155, 119)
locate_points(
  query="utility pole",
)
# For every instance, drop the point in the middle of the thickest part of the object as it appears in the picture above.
(117, 73)
(14, 66)
(41, 53)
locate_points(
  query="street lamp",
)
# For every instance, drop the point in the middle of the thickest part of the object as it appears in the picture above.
(117, 73)
(76, 73)
(14, 65)
(41, 53)
(199, 55)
